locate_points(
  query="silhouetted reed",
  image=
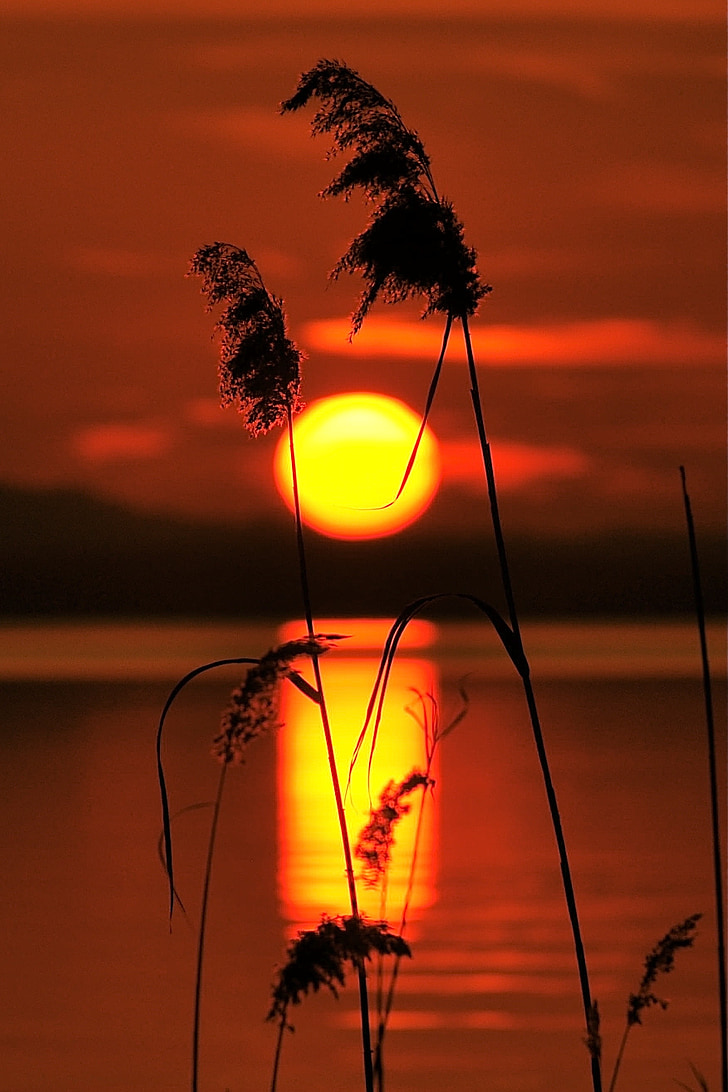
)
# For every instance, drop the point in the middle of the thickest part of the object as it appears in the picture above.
(718, 862)
(254, 705)
(260, 367)
(251, 712)
(414, 245)
(260, 373)
(374, 844)
(318, 957)
(661, 960)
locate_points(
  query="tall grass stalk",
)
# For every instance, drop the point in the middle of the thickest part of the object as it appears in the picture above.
(718, 874)
(538, 737)
(202, 934)
(260, 374)
(331, 755)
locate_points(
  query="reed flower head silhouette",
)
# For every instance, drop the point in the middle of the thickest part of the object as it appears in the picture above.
(414, 242)
(260, 367)
(374, 846)
(660, 960)
(318, 957)
(254, 705)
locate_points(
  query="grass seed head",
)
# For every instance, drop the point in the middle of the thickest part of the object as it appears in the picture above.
(414, 242)
(254, 705)
(374, 846)
(319, 957)
(661, 960)
(260, 367)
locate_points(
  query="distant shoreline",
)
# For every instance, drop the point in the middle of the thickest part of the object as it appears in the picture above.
(158, 650)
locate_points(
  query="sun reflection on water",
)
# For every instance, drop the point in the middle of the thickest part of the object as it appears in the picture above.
(311, 876)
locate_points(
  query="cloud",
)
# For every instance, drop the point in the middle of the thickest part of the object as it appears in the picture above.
(516, 465)
(595, 70)
(620, 342)
(663, 187)
(255, 127)
(121, 442)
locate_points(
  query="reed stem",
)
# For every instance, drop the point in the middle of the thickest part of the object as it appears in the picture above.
(325, 723)
(277, 1059)
(385, 1004)
(203, 924)
(713, 777)
(618, 1059)
(530, 697)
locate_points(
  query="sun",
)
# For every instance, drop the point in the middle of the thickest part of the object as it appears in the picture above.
(351, 453)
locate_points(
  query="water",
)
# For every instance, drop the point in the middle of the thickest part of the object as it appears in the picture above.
(98, 994)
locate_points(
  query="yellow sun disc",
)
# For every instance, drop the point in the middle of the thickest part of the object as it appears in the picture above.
(351, 454)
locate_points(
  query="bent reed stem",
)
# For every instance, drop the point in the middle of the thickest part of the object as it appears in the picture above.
(325, 724)
(530, 696)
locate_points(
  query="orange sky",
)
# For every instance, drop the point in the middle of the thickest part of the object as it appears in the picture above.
(585, 156)
(689, 10)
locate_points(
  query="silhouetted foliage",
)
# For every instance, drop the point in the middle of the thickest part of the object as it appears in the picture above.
(661, 960)
(260, 367)
(414, 243)
(318, 957)
(253, 707)
(374, 846)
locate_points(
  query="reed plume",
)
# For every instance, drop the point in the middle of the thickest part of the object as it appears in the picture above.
(414, 242)
(259, 369)
(661, 960)
(374, 844)
(318, 957)
(254, 705)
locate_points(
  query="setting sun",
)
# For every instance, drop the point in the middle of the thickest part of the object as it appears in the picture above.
(351, 453)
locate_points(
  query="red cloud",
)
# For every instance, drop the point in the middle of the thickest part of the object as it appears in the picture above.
(117, 441)
(606, 342)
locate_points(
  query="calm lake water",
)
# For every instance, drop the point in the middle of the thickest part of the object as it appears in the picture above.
(97, 994)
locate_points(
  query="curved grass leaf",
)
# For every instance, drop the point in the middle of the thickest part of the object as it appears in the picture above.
(166, 822)
(510, 641)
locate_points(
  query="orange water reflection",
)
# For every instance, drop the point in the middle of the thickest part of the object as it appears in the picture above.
(311, 876)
